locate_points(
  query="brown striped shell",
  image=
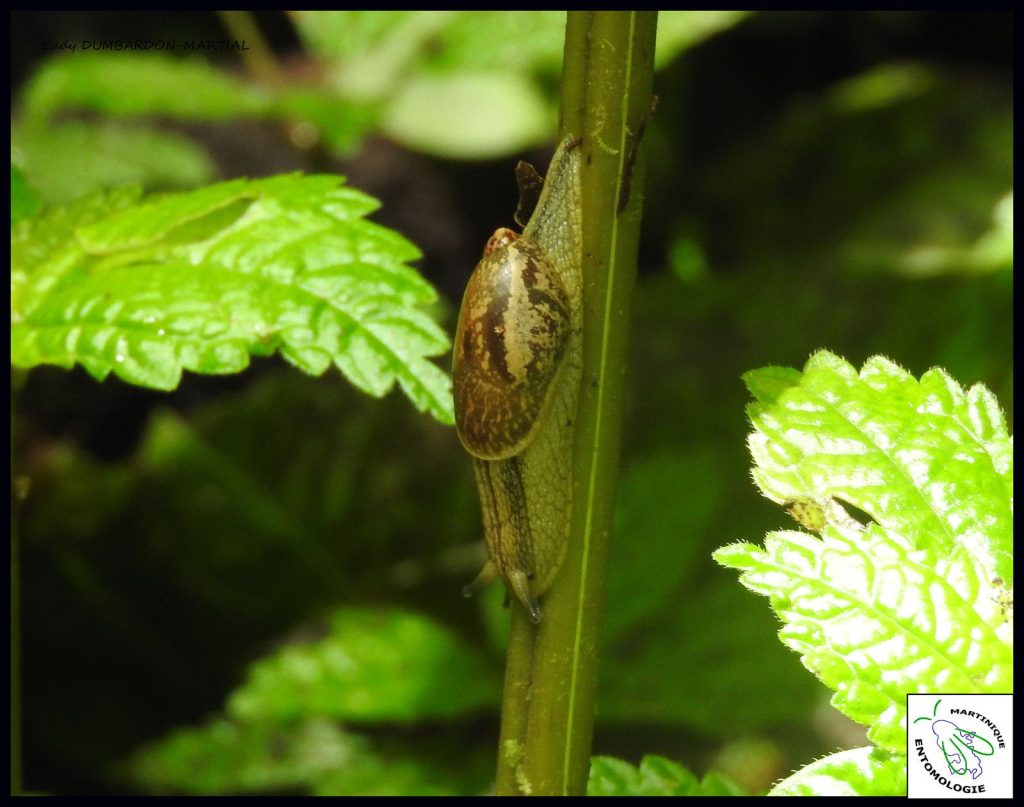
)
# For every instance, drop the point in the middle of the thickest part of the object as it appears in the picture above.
(513, 330)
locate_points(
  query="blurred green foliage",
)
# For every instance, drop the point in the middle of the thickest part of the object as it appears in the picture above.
(864, 206)
(490, 74)
(655, 776)
(311, 756)
(25, 202)
(373, 666)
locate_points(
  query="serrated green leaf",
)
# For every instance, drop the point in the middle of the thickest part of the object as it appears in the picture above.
(655, 776)
(202, 280)
(857, 772)
(874, 620)
(42, 251)
(911, 603)
(146, 223)
(922, 458)
(372, 667)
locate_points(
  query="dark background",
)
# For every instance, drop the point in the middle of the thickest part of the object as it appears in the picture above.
(143, 597)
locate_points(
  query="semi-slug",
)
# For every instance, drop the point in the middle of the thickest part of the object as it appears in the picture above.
(516, 379)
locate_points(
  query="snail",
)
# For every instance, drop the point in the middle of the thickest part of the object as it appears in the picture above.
(516, 376)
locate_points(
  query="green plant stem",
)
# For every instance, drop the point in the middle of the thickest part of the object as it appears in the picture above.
(551, 676)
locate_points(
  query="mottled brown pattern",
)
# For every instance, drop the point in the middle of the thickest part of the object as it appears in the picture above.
(512, 333)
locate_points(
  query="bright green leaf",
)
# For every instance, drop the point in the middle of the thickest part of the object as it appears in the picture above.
(923, 458)
(202, 280)
(858, 772)
(42, 251)
(875, 620)
(911, 603)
